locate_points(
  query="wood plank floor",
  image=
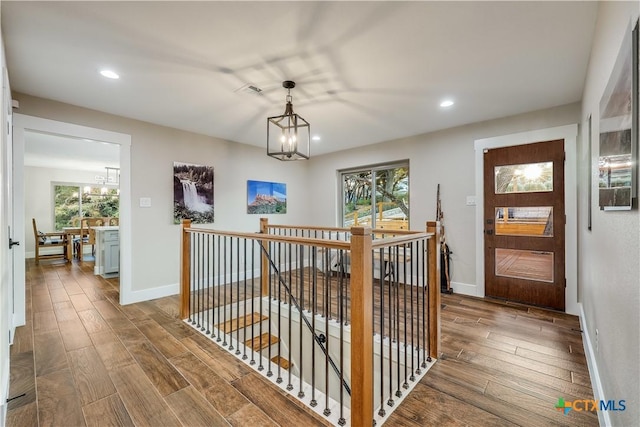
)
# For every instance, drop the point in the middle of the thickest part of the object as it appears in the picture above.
(82, 359)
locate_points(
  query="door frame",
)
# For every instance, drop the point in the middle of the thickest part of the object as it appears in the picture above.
(22, 123)
(570, 135)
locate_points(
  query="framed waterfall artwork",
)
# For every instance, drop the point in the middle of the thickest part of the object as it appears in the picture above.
(192, 193)
(266, 197)
(618, 139)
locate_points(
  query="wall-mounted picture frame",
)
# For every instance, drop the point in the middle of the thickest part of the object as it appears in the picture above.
(618, 138)
(192, 193)
(266, 197)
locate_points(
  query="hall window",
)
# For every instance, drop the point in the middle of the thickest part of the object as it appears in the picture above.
(74, 201)
(375, 196)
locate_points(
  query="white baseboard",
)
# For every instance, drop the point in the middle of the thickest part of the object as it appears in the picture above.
(132, 297)
(598, 391)
(4, 383)
(465, 289)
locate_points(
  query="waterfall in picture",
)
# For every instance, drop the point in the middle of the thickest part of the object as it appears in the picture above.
(192, 200)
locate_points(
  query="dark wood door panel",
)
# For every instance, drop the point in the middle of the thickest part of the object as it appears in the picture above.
(520, 275)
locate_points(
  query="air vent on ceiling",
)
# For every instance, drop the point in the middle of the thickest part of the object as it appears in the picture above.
(249, 88)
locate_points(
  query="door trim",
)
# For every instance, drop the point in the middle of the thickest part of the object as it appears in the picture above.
(570, 134)
(22, 123)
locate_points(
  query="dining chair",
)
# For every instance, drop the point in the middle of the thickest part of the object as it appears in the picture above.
(87, 235)
(55, 239)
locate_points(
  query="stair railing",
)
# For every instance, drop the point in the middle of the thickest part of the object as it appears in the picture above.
(294, 302)
(394, 270)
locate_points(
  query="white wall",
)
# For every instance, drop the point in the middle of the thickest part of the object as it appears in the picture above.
(445, 157)
(155, 239)
(609, 267)
(38, 197)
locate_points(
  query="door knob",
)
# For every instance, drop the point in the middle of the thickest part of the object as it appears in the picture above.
(12, 243)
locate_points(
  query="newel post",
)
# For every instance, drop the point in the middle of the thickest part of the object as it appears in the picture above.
(434, 288)
(264, 273)
(185, 270)
(361, 327)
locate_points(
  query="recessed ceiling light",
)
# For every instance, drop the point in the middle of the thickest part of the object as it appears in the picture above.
(316, 137)
(110, 74)
(446, 103)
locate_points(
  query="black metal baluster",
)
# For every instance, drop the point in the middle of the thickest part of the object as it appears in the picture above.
(253, 297)
(408, 262)
(392, 321)
(396, 280)
(381, 270)
(270, 299)
(425, 274)
(246, 273)
(243, 316)
(207, 254)
(212, 272)
(192, 295)
(327, 305)
(260, 332)
(414, 316)
(279, 379)
(198, 282)
(314, 252)
(289, 342)
(341, 419)
(230, 276)
(216, 315)
(301, 310)
(224, 291)
(418, 320)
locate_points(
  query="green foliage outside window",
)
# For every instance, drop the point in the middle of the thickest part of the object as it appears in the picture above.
(95, 202)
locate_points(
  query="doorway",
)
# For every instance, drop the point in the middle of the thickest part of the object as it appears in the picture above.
(567, 133)
(524, 223)
(23, 124)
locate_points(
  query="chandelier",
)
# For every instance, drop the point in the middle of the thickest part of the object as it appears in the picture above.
(288, 135)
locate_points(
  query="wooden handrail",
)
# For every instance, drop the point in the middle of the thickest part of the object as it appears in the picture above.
(361, 327)
(185, 269)
(307, 241)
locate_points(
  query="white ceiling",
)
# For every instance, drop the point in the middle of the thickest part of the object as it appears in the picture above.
(62, 152)
(366, 72)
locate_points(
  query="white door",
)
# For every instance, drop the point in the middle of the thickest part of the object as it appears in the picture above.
(7, 202)
(6, 263)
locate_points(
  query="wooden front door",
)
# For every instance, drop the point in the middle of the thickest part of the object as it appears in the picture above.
(524, 224)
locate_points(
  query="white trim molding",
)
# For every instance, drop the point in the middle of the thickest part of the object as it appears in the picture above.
(22, 123)
(569, 133)
(598, 391)
(149, 294)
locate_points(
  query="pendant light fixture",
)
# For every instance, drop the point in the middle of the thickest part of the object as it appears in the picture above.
(288, 135)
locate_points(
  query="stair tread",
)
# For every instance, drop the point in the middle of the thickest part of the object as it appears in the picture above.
(278, 360)
(267, 340)
(241, 322)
